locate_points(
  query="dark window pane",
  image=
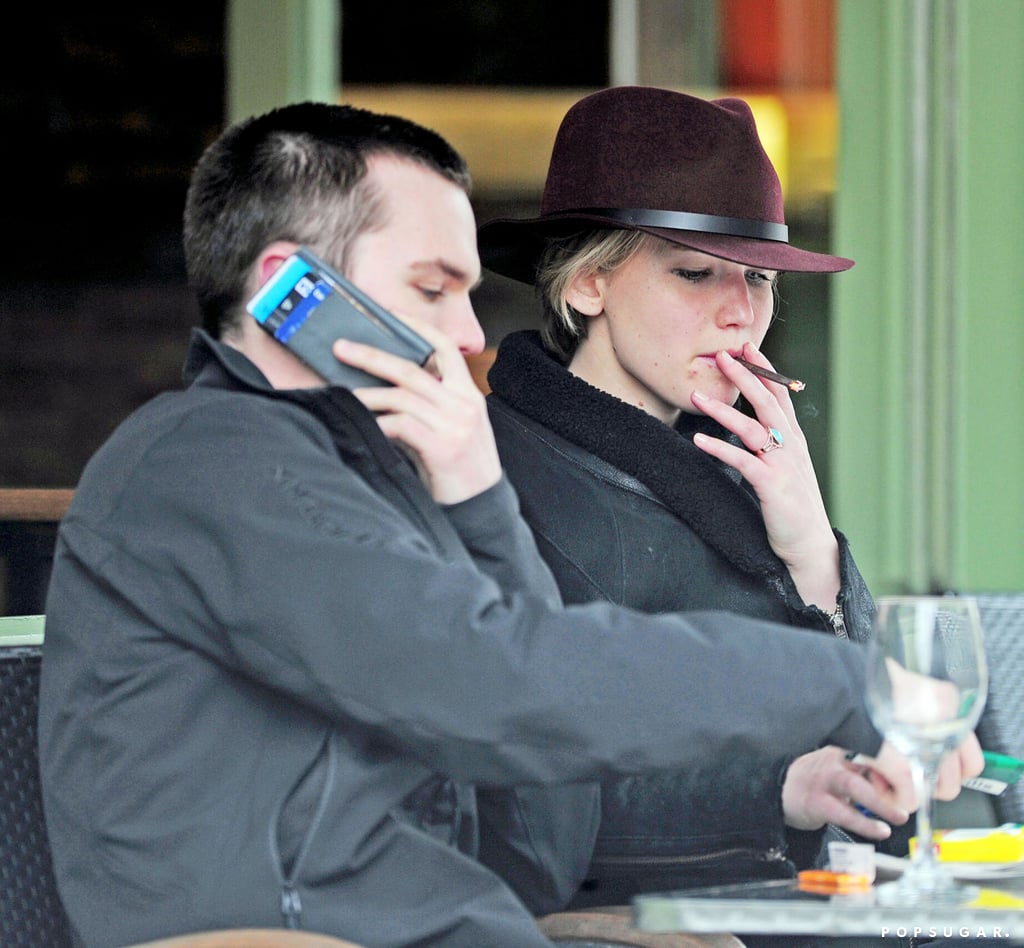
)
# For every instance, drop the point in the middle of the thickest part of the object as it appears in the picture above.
(472, 42)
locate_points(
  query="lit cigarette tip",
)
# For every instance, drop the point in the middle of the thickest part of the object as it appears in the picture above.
(795, 386)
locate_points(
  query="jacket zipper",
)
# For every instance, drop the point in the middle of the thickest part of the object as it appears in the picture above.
(291, 903)
(291, 906)
(772, 855)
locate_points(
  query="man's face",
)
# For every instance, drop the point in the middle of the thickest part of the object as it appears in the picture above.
(422, 261)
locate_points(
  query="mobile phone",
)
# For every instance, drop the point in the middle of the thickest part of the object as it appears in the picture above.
(306, 305)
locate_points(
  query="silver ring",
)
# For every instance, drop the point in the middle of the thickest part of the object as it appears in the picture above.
(775, 440)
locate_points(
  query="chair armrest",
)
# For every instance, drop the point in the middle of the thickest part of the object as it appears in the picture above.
(249, 938)
(43, 504)
(614, 926)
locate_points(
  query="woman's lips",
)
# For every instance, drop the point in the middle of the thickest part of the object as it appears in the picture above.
(794, 385)
(709, 357)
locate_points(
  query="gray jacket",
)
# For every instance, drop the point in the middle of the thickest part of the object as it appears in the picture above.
(274, 671)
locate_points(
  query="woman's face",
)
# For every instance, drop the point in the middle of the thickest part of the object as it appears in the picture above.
(656, 322)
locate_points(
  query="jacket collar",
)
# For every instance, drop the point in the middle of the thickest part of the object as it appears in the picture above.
(204, 351)
(356, 435)
(215, 364)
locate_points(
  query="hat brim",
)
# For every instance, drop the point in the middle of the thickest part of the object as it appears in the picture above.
(513, 246)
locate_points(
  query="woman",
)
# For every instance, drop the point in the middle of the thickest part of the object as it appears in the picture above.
(656, 256)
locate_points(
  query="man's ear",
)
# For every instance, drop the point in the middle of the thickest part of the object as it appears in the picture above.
(271, 257)
(585, 294)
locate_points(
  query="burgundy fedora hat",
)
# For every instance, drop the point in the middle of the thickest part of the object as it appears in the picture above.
(686, 169)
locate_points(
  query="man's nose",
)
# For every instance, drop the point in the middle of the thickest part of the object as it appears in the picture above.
(464, 329)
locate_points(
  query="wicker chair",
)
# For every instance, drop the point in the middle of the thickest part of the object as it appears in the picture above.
(1000, 730)
(31, 914)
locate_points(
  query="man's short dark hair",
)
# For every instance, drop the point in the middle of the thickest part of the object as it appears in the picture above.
(295, 173)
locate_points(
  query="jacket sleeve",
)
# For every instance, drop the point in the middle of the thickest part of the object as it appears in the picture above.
(854, 595)
(283, 564)
(538, 839)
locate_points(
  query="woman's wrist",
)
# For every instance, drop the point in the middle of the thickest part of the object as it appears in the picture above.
(818, 578)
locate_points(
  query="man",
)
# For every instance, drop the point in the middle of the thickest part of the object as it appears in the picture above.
(290, 629)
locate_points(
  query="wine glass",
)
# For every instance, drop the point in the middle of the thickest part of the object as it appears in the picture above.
(927, 681)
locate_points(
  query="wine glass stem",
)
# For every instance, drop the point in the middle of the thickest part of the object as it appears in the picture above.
(925, 773)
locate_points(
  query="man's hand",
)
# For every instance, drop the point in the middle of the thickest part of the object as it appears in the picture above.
(965, 762)
(436, 414)
(920, 699)
(956, 767)
(891, 769)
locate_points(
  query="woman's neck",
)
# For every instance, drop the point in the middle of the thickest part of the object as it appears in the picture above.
(595, 363)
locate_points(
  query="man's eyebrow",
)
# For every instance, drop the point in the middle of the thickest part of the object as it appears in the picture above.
(449, 270)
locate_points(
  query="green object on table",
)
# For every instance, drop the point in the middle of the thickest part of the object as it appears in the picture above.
(1002, 768)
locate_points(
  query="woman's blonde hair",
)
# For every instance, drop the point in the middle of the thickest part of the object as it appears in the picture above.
(565, 258)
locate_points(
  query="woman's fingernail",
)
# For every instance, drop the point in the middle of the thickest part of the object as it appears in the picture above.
(700, 396)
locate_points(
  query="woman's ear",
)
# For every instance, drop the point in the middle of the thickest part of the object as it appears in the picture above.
(585, 294)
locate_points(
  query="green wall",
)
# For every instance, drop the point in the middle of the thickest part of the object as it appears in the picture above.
(279, 52)
(927, 396)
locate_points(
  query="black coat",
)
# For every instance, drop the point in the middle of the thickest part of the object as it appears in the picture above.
(626, 509)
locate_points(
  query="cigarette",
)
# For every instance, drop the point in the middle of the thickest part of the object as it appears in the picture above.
(794, 385)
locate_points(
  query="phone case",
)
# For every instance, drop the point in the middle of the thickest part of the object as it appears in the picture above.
(306, 305)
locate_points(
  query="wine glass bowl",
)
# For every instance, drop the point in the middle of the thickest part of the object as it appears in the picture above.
(927, 682)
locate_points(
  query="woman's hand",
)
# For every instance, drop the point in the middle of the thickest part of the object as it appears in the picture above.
(436, 414)
(824, 787)
(794, 513)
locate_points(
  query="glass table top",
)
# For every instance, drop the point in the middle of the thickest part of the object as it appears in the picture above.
(781, 907)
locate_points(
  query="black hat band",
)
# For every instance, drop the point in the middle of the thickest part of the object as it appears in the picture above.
(685, 220)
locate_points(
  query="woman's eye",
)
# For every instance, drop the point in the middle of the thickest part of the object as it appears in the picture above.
(692, 275)
(758, 276)
(431, 293)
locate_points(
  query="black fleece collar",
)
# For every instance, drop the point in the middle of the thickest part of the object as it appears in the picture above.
(698, 489)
